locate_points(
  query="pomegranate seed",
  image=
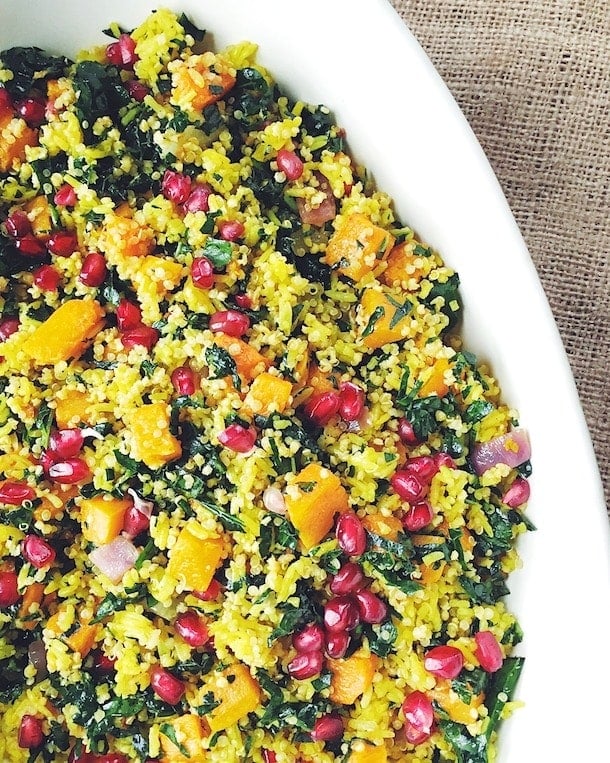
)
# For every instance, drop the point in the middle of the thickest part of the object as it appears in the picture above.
(306, 665)
(444, 661)
(269, 756)
(184, 380)
(351, 534)
(337, 643)
(238, 438)
(65, 443)
(290, 164)
(30, 246)
(310, 639)
(128, 315)
(46, 278)
(351, 401)
(444, 459)
(103, 663)
(321, 407)
(414, 736)
(18, 224)
(327, 728)
(418, 516)
(407, 486)
(341, 614)
(371, 608)
(350, 578)
(69, 472)
(175, 186)
(8, 326)
(517, 494)
(488, 651)
(32, 110)
(30, 734)
(140, 336)
(137, 90)
(198, 200)
(15, 493)
(407, 433)
(65, 196)
(419, 717)
(423, 467)
(202, 273)
(62, 243)
(122, 53)
(37, 551)
(6, 102)
(9, 594)
(244, 301)
(230, 322)
(165, 685)
(93, 270)
(192, 628)
(231, 230)
(135, 522)
(211, 593)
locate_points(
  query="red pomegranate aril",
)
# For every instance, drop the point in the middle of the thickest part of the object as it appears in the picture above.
(309, 639)
(65, 196)
(166, 686)
(137, 90)
(192, 628)
(46, 278)
(140, 336)
(444, 459)
(9, 594)
(32, 110)
(348, 579)
(327, 728)
(94, 270)
(244, 301)
(321, 407)
(37, 551)
(69, 472)
(488, 651)
(351, 401)
(371, 608)
(337, 643)
(128, 315)
(30, 735)
(269, 756)
(102, 663)
(184, 380)
(198, 200)
(407, 486)
(18, 224)
(414, 736)
(444, 661)
(306, 665)
(202, 273)
(517, 494)
(231, 230)
(341, 614)
(351, 534)
(423, 467)
(407, 433)
(176, 186)
(238, 438)
(290, 164)
(135, 522)
(14, 493)
(122, 53)
(418, 516)
(230, 322)
(30, 246)
(62, 243)
(419, 713)
(8, 326)
(211, 593)
(65, 443)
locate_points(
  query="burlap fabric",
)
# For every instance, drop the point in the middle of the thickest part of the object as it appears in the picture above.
(533, 79)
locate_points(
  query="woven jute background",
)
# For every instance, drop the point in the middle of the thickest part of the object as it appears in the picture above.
(533, 79)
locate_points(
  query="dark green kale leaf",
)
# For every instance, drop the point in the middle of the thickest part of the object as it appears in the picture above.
(99, 91)
(222, 364)
(30, 67)
(252, 98)
(452, 303)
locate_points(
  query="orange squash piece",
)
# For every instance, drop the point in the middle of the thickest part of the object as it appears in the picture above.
(362, 752)
(127, 237)
(32, 595)
(456, 708)
(102, 518)
(83, 638)
(312, 502)
(400, 265)
(201, 80)
(385, 527)
(15, 136)
(267, 393)
(435, 383)
(190, 732)
(357, 246)
(66, 333)
(73, 408)
(384, 318)
(248, 361)
(195, 560)
(153, 442)
(164, 272)
(39, 214)
(239, 695)
(351, 676)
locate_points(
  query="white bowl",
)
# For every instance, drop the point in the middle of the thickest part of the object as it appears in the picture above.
(358, 58)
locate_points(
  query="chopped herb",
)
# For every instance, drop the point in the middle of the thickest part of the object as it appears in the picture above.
(219, 253)
(222, 364)
(168, 730)
(376, 315)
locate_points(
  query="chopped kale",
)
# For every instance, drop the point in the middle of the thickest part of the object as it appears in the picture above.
(451, 302)
(99, 91)
(222, 364)
(30, 67)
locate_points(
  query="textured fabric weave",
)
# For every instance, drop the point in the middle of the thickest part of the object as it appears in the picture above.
(533, 79)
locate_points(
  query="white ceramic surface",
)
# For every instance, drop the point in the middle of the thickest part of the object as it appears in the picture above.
(357, 57)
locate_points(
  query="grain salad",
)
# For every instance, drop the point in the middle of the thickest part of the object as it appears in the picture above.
(257, 500)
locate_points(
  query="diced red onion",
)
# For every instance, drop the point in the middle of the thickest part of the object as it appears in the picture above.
(115, 558)
(512, 449)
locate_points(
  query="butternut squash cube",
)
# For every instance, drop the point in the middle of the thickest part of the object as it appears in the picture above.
(403, 264)
(362, 752)
(83, 638)
(357, 246)
(312, 502)
(351, 676)
(383, 318)
(385, 527)
(458, 710)
(267, 393)
(39, 214)
(189, 732)
(201, 80)
(194, 560)
(248, 361)
(72, 409)
(102, 518)
(238, 694)
(153, 443)
(66, 333)
(435, 383)
(164, 272)
(15, 136)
